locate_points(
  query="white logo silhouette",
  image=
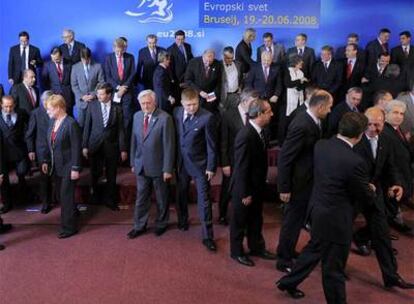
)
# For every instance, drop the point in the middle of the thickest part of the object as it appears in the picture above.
(152, 11)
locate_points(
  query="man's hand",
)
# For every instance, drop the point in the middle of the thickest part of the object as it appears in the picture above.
(85, 153)
(273, 99)
(45, 168)
(364, 80)
(124, 156)
(396, 192)
(209, 175)
(11, 81)
(171, 100)
(285, 197)
(203, 94)
(33, 62)
(74, 175)
(32, 156)
(167, 176)
(132, 169)
(226, 170)
(247, 200)
(372, 187)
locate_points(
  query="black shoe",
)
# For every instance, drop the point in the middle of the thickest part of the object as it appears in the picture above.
(393, 237)
(2, 247)
(266, 255)
(400, 283)
(210, 245)
(65, 235)
(223, 221)
(286, 268)
(113, 207)
(244, 260)
(293, 292)
(5, 228)
(363, 250)
(46, 209)
(5, 209)
(160, 231)
(135, 233)
(183, 226)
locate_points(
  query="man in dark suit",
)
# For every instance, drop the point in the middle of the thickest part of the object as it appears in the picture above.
(350, 104)
(231, 80)
(164, 84)
(378, 46)
(248, 185)
(203, 74)
(332, 210)
(197, 159)
(22, 57)
(104, 142)
(307, 53)
(244, 50)
(13, 124)
(148, 61)
(152, 160)
(276, 49)
(26, 94)
(56, 77)
(327, 72)
(403, 55)
(232, 120)
(70, 47)
(181, 53)
(352, 38)
(1, 90)
(37, 146)
(120, 72)
(295, 173)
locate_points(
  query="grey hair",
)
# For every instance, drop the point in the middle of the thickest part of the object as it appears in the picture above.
(162, 55)
(45, 95)
(144, 93)
(70, 32)
(395, 103)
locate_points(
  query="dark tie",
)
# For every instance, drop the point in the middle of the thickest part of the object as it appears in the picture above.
(300, 52)
(87, 72)
(145, 129)
(207, 68)
(23, 59)
(326, 66)
(153, 56)
(406, 53)
(9, 121)
(70, 48)
(182, 50)
(263, 138)
(187, 121)
(31, 96)
(400, 134)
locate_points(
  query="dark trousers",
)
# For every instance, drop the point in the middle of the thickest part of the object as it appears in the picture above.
(333, 256)
(294, 217)
(203, 201)
(224, 196)
(21, 167)
(129, 108)
(99, 160)
(45, 188)
(246, 221)
(65, 192)
(145, 184)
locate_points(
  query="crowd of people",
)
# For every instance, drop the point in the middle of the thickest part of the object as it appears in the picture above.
(172, 114)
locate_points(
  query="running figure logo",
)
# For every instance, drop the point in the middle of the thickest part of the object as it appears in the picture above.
(152, 11)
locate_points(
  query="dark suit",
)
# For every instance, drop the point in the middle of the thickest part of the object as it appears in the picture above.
(73, 58)
(152, 155)
(308, 57)
(163, 83)
(295, 176)
(146, 66)
(248, 179)
(231, 123)
(340, 54)
(374, 49)
(256, 80)
(336, 115)
(354, 79)
(1, 91)
(327, 79)
(64, 157)
(15, 68)
(398, 56)
(196, 142)
(23, 99)
(179, 61)
(104, 144)
(278, 53)
(332, 216)
(52, 82)
(197, 77)
(244, 56)
(394, 85)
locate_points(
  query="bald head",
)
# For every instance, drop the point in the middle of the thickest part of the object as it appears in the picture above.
(376, 119)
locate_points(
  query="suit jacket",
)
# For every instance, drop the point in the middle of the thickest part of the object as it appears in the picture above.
(340, 54)
(256, 80)
(373, 50)
(1, 91)
(278, 53)
(22, 98)
(244, 56)
(335, 116)
(14, 146)
(154, 153)
(295, 161)
(231, 124)
(65, 152)
(52, 82)
(330, 79)
(146, 66)
(394, 85)
(356, 75)
(341, 179)
(179, 62)
(96, 136)
(398, 56)
(75, 57)
(250, 165)
(408, 124)
(36, 134)
(163, 83)
(224, 85)
(81, 85)
(197, 144)
(15, 62)
(111, 71)
(308, 59)
(195, 77)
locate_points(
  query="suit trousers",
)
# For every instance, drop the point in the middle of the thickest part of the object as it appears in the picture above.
(45, 188)
(333, 256)
(246, 221)
(225, 196)
(232, 101)
(21, 167)
(145, 184)
(205, 211)
(65, 191)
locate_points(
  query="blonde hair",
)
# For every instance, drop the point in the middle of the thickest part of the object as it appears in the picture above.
(56, 101)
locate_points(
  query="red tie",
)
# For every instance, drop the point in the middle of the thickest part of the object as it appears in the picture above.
(120, 68)
(32, 99)
(146, 118)
(59, 71)
(400, 133)
(349, 70)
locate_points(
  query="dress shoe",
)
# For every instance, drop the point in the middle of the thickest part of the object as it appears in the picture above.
(264, 254)
(393, 237)
(135, 233)
(5, 228)
(65, 235)
(292, 291)
(244, 260)
(113, 207)
(223, 221)
(5, 209)
(160, 231)
(363, 250)
(2, 247)
(400, 283)
(286, 268)
(183, 226)
(46, 209)
(210, 245)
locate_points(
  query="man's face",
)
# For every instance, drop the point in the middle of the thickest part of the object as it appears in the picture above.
(264, 118)
(382, 102)
(375, 124)
(24, 41)
(119, 50)
(384, 37)
(67, 37)
(326, 55)
(30, 78)
(179, 40)
(228, 57)
(352, 40)
(251, 37)
(56, 58)
(266, 59)
(405, 40)
(103, 96)
(384, 61)
(208, 58)
(350, 52)
(354, 98)
(191, 105)
(396, 116)
(268, 41)
(152, 43)
(148, 104)
(300, 41)
(324, 109)
(7, 105)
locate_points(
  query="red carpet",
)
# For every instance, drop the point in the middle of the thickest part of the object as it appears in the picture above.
(101, 266)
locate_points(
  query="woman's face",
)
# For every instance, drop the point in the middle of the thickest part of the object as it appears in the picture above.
(53, 112)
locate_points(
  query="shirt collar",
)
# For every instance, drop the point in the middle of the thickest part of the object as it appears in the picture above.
(314, 118)
(339, 136)
(255, 126)
(369, 138)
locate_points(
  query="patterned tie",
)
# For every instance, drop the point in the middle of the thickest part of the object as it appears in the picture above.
(120, 68)
(59, 71)
(105, 115)
(9, 121)
(145, 128)
(23, 67)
